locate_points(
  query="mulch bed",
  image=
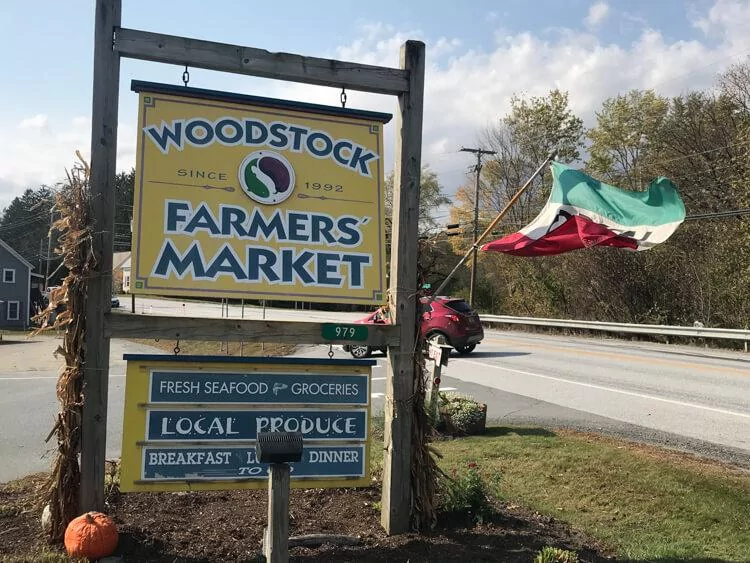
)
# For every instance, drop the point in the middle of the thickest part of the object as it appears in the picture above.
(228, 525)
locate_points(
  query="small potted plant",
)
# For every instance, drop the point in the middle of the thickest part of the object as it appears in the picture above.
(461, 415)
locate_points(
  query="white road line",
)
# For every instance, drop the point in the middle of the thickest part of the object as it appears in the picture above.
(448, 389)
(613, 390)
(47, 377)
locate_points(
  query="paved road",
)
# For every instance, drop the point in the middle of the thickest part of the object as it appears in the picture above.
(678, 396)
(683, 397)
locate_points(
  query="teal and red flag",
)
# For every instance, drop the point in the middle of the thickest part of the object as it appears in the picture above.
(582, 212)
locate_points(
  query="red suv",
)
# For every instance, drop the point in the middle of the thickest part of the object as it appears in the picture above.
(452, 318)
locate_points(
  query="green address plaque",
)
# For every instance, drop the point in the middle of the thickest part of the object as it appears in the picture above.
(334, 331)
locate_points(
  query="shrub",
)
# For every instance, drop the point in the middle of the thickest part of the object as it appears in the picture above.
(555, 555)
(463, 412)
(466, 494)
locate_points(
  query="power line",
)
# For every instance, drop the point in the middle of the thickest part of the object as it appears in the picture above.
(719, 214)
(26, 221)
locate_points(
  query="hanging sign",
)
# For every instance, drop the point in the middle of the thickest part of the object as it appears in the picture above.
(247, 197)
(191, 422)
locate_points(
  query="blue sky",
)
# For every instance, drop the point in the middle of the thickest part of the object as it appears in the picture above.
(479, 54)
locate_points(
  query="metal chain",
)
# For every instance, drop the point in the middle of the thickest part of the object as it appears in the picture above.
(330, 351)
(343, 97)
(177, 346)
(186, 76)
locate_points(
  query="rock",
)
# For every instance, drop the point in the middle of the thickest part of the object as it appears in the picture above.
(47, 519)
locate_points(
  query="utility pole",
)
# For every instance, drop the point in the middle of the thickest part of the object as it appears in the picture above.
(49, 244)
(41, 256)
(478, 169)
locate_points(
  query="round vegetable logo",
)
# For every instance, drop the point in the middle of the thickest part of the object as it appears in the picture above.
(267, 177)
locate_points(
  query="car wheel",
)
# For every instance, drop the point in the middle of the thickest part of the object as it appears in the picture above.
(360, 352)
(466, 349)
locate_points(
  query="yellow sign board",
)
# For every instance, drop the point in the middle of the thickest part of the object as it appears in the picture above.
(191, 422)
(245, 197)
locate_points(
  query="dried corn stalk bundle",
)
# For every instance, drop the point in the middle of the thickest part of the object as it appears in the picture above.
(61, 490)
(425, 472)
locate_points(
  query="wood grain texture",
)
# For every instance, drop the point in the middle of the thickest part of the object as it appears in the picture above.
(197, 53)
(106, 87)
(396, 499)
(125, 325)
(277, 546)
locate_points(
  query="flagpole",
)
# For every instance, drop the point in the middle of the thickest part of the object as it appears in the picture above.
(497, 219)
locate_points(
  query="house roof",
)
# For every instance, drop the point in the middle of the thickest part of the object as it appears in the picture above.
(119, 258)
(16, 254)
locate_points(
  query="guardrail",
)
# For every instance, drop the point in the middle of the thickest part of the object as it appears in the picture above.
(659, 330)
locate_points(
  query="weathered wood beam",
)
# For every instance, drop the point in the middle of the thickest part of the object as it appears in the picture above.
(396, 504)
(106, 88)
(125, 325)
(197, 53)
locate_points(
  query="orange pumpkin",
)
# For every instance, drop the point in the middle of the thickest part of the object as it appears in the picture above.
(93, 535)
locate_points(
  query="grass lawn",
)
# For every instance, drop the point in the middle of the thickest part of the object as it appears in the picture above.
(646, 503)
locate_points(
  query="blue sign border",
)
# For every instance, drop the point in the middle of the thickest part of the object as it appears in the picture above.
(244, 431)
(254, 470)
(281, 384)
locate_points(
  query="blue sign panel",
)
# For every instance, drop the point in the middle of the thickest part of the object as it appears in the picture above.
(222, 425)
(215, 463)
(269, 388)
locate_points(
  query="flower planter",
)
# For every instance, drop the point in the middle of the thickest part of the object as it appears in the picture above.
(477, 427)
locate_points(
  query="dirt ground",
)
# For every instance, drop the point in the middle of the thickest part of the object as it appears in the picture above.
(228, 525)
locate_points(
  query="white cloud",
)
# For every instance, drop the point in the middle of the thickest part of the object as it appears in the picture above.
(39, 121)
(727, 20)
(597, 14)
(465, 89)
(39, 154)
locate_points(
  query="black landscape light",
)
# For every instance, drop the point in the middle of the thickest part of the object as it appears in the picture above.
(279, 447)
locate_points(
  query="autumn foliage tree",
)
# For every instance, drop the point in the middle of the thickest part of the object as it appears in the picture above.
(699, 140)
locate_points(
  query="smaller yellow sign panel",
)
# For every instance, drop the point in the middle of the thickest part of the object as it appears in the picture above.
(191, 423)
(237, 196)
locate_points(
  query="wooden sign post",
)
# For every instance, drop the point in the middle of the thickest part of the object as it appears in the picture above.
(407, 83)
(396, 504)
(276, 543)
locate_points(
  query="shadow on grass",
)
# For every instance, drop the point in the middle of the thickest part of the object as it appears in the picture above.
(498, 431)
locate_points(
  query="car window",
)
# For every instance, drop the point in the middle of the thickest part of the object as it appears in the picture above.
(425, 308)
(460, 306)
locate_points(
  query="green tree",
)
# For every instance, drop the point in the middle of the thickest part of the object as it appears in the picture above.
(124, 184)
(25, 223)
(627, 127)
(431, 198)
(522, 140)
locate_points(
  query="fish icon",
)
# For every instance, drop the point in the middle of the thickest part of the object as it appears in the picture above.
(279, 387)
